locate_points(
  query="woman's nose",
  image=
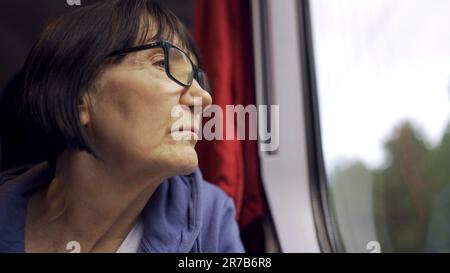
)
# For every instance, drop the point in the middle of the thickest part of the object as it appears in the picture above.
(196, 96)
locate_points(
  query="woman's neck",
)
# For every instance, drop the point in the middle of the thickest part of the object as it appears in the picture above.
(88, 202)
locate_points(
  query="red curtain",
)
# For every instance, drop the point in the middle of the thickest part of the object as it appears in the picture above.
(222, 30)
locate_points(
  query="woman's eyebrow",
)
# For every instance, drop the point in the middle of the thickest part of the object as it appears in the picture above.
(150, 52)
(141, 57)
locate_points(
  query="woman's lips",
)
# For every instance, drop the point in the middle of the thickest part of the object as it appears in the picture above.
(191, 130)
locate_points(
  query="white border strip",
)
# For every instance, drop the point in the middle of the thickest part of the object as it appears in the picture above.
(285, 173)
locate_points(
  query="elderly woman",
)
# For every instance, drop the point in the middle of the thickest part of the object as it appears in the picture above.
(102, 82)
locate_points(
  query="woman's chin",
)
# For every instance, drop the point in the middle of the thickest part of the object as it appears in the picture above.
(185, 163)
(189, 167)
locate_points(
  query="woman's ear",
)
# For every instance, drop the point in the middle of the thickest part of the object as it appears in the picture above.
(84, 110)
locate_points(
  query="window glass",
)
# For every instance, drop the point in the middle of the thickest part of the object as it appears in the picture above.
(383, 77)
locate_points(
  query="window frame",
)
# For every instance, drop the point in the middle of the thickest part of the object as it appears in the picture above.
(324, 218)
(293, 177)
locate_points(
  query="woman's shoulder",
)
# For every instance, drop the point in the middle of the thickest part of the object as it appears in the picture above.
(13, 173)
(25, 176)
(219, 230)
(195, 208)
(15, 184)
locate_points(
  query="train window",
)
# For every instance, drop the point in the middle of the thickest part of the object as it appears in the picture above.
(383, 75)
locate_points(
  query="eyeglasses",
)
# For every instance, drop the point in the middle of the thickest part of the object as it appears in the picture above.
(177, 64)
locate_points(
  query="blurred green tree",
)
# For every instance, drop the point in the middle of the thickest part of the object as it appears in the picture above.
(409, 194)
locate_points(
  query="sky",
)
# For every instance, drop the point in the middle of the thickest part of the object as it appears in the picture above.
(379, 63)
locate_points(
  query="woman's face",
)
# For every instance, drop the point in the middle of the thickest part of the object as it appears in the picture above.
(128, 117)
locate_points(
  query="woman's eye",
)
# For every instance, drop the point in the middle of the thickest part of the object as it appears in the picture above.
(159, 64)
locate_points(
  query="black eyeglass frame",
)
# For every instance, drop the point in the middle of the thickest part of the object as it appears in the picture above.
(197, 73)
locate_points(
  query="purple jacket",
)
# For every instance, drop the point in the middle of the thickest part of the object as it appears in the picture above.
(185, 214)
